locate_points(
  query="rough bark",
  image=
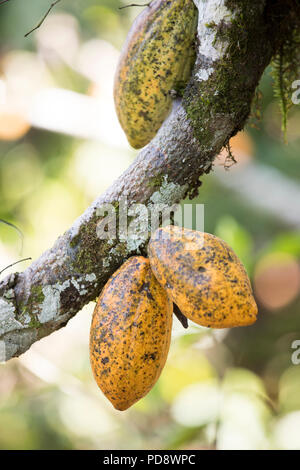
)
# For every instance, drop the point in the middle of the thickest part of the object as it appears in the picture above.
(235, 44)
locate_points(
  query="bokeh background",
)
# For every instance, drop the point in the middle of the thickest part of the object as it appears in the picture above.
(60, 147)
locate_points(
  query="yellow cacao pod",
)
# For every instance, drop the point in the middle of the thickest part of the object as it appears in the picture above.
(130, 333)
(157, 57)
(203, 276)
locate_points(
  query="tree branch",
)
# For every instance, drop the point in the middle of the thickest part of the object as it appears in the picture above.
(235, 44)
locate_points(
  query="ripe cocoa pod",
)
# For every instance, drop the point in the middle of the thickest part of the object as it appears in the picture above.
(130, 333)
(157, 57)
(203, 276)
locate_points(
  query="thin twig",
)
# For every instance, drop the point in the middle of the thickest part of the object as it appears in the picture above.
(17, 229)
(230, 158)
(13, 264)
(43, 19)
(3, 1)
